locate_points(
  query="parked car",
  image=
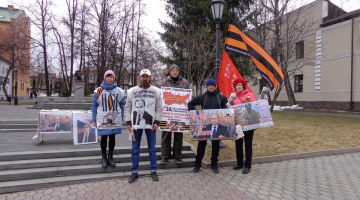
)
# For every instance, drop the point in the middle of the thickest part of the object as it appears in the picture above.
(41, 94)
(54, 94)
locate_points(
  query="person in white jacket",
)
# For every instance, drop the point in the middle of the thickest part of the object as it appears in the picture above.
(142, 99)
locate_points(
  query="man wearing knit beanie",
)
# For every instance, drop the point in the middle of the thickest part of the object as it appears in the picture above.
(173, 66)
(174, 80)
(211, 99)
(210, 81)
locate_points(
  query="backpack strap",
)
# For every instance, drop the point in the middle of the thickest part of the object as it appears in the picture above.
(240, 98)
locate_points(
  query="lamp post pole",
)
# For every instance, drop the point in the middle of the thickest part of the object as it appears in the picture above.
(16, 86)
(185, 55)
(217, 60)
(217, 7)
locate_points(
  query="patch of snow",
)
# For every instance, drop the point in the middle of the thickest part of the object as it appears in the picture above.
(293, 107)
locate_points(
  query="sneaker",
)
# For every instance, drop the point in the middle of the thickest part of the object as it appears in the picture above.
(179, 160)
(154, 176)
(163, 161)
(133, 177)
(246, 170)
(214, 169)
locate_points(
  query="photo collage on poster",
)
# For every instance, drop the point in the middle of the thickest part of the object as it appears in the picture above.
(78, 123)
(253, 115)
(212, 124)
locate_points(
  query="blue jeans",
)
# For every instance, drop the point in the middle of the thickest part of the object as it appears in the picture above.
(151, 140)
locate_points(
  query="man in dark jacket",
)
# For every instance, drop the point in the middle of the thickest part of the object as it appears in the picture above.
(140, 115)
(86, 136)
(175, 80)
(217, 130)
(58, 125)
(211, 99)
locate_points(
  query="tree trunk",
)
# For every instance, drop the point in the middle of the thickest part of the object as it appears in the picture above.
(289, 91)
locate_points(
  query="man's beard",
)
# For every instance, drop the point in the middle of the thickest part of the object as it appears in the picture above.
(145, 84)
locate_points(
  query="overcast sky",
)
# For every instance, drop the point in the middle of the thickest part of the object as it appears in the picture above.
(155, 10)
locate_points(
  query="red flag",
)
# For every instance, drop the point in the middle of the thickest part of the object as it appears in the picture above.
(227, 74)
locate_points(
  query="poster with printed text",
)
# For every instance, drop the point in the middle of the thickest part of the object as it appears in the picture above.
(176, 116)
(55, 121)
(253, 115)
(84, 131)
(212, 124)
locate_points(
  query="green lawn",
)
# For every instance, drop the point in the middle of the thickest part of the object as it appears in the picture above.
(296, 133)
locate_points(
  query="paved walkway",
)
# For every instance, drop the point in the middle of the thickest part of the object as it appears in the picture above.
(328, 177)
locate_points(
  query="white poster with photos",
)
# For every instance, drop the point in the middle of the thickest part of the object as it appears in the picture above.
(51, 121)
(84, 131)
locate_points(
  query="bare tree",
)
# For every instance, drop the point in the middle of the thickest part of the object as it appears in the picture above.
(278, 26)
(200, 44)
(66, 42)
(41, 18)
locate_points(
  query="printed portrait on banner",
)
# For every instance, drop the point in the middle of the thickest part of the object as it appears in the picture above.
(253, 115)
(175, 116)
(55, 121)
(109, 111)
(212, 124)
(84, 131)
(142, 116)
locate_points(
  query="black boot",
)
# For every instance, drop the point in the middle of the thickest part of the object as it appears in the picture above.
(104, 162)
(111, 161)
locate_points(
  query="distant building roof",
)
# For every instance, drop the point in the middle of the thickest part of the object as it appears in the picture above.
(5, 59)
(341, 18)
(6, 14)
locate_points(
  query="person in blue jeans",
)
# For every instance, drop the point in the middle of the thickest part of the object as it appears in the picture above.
(143, 112)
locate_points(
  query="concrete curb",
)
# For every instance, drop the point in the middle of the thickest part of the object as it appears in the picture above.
(279, 158)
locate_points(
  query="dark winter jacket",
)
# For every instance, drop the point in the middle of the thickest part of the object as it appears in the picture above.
(209, 100)
(181, 83)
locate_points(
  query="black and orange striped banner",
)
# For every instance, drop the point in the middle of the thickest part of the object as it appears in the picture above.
(242, 44)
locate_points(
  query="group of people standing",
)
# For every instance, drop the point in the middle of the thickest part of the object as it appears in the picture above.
(143, 112)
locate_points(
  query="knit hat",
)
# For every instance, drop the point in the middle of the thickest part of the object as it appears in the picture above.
(210, 81)
(109, 72)
(239, 80)
(174, 67)
(145, 71)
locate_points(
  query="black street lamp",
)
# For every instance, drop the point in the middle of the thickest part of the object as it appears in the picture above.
(185, 55)
(16, 85)
(217, 7)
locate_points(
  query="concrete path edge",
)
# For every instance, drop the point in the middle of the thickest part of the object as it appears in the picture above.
(283, 157)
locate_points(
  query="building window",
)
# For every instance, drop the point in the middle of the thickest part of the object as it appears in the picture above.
(299, 50)
(298, 83)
